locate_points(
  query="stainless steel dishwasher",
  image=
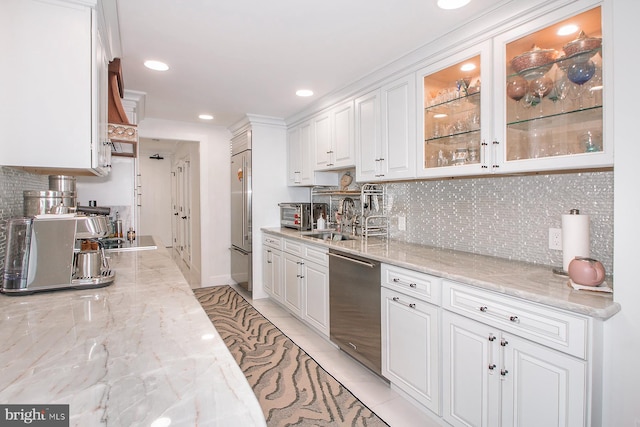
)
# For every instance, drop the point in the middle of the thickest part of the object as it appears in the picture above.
(354, 296)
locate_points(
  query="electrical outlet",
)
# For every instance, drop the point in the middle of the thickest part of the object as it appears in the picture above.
(402, 223)
(555, 239)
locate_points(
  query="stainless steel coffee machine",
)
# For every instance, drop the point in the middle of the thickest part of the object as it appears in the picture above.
(49, 252)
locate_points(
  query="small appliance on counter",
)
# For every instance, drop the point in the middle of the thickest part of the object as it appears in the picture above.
(299, 216)
(49, 252)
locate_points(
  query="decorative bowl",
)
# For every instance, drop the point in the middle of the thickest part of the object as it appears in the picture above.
(582, 44)
(534, 63)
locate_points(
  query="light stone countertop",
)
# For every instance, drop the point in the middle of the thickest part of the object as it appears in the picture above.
(127, 354)
(532, 282)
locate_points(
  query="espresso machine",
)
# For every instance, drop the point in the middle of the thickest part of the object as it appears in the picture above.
(49, 252)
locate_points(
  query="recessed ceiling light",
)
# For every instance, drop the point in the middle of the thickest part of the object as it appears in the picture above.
(205, 117)
(452, 4)
(468, 67)
(156, 65)
(304, 92)
(565, 30)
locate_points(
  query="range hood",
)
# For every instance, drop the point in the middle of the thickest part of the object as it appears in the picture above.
(122, 134)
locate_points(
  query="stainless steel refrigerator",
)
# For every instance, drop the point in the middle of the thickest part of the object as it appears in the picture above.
(241, 258)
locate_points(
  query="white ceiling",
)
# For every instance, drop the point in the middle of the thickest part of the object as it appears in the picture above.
(232, 57)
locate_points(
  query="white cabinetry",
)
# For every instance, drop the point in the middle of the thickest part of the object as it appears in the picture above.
(385, 121)
(334, 138)
(53, 114)
(300, 157)
(306, 283)
(411, 334)
(272, 266)
(497, 119)
(504, 367)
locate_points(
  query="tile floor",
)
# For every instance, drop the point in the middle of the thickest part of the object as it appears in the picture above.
(374, 392)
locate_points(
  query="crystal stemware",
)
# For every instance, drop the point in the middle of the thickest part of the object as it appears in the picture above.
(541, 87)
(517, 88)
(580, 73)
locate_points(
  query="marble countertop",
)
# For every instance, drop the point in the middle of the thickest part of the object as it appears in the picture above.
(531, 282)
(139, 351)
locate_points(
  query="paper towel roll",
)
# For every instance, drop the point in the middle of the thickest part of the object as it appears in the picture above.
(575, 238)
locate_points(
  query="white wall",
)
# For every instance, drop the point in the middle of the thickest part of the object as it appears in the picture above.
(214, 237)
(115, 189)
(622, 332)
(155, 200)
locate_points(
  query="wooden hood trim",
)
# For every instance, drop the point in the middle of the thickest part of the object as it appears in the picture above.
(116, 92)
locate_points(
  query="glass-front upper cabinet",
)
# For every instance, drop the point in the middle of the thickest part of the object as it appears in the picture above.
(551, 87)
(454, 97)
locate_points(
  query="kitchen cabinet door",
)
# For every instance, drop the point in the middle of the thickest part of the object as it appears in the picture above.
(334, 138)
(293, 281)
(272, 272)
(316, 295)
(398, 129)
(65, 87)
(410, 349)
(368, 143)
(471, 373)
(455, 119)
(322, 128)
(550, 114)
(541, 386)
(299, 155)
(343, 135)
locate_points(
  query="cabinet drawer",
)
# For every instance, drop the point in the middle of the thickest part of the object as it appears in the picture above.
(317, 254)
(419, 285)
(557, 329)
(272, 241)
(293, 247)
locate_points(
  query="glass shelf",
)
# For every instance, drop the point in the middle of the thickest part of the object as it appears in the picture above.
(451, 138)
(473, 98)
(582, 114)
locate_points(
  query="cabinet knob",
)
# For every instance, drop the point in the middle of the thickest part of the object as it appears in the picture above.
(492, 338)
(503, 372)
(483, 308)
(504, 342)
(492, 366)
(514, 319)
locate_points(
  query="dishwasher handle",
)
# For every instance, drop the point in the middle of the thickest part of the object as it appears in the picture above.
(357, 261)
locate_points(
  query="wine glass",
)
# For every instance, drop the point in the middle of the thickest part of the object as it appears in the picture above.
(580, 73)
(541, 87)
(517, 88)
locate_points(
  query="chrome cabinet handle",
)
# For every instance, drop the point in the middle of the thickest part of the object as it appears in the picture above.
(410, 305)
(411, 285)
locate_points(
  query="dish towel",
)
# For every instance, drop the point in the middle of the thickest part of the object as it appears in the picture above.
(604, 287)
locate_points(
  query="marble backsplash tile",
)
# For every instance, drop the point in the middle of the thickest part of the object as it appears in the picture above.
(507, 217)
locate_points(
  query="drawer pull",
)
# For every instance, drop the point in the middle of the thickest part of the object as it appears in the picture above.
(410, 305)
(411, 285)
(483, 308)
(514, 319)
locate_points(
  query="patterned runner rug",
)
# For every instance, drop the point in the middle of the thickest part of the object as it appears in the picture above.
(293, 390)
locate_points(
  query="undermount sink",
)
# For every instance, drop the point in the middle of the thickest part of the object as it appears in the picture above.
(329, 235)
